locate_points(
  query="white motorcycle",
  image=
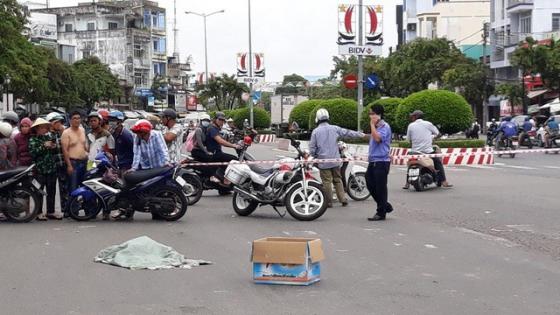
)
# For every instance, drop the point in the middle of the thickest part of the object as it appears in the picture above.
(288, 183)
(353, 175)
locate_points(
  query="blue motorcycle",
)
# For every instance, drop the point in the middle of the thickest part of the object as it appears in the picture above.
(158, 191)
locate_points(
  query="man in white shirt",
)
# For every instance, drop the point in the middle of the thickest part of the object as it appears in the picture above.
(421, 133)
(173, 134)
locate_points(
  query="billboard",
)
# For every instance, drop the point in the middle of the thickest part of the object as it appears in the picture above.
(243, 73)
(42, 26)
(372, 35)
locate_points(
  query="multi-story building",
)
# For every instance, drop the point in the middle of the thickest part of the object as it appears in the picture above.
(514, 20)
(461, 21)
(129, 36)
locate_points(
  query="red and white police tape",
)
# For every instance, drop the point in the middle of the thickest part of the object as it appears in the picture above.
(467, 154)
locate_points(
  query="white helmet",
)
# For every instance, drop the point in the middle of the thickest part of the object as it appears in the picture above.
(322, 114)
(5, 129)
(54, 116)
(204, 117)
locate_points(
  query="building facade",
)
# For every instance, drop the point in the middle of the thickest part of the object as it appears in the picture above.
(461, 21)
(129, 36)
(514, 20)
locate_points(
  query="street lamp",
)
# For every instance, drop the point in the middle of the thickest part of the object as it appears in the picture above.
(7, 80)
(204, 16)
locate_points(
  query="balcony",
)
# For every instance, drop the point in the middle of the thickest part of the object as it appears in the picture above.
(517, 6)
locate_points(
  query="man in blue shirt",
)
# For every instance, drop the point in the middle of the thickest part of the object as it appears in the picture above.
(323, 145)
(214, 141)
(551, 129)
(507, 129)
(149, 148)
(123, 140)
(379, 162)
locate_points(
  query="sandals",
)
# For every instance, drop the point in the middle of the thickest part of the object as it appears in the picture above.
(42, 217)
(54, 216)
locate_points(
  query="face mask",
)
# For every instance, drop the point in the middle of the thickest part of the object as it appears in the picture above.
(113, 125)
(205, 123)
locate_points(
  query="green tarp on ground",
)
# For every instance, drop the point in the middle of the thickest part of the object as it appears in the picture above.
(145, 253)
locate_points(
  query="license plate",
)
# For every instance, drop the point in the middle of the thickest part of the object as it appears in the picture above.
(180, 180)
(414, 172)
(36, 184)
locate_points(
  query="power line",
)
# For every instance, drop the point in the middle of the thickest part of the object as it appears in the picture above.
(458, 41)
(473, 46)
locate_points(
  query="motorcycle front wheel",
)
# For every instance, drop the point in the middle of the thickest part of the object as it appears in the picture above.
(22, 205)
(357, 187)
(195, 188)
(243, 206)
(306, 209)
(80, 209)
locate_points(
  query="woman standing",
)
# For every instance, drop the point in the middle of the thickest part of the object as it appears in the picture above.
(22, 143)
(43, 151)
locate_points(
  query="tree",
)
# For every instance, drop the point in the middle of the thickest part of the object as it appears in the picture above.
(94, 81)
(513, 92)
(539, 58)
(261, 117)
(343, 112)
(300, 113)
(62, 87)
(390, 106)
(225, 91)
(292, 84)
(159, 87)
(447, 110)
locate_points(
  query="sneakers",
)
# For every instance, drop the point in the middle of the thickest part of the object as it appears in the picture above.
(54, 216)
(376, 217)
(42, 217)
(344, 203)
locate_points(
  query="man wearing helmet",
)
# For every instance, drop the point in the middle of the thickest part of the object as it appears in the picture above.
(552, 131)
(149, 147)
(75, 149)
(421, 133)
(8, 155)
(124, 140)
(173, 134)
(56, 129)
(323, 145)
(13, 119)
(100, 140)
(104, 118)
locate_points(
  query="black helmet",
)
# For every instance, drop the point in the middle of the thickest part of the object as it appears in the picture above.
(169, 113)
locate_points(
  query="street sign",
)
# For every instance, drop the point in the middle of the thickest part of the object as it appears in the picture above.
(351, 81)
(372, 81)
(360, 50)
(256, 96)
(249, 80)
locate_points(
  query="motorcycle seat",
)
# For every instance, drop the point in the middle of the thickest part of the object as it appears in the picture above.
(136, 177)
(261, 170)
(11, 173)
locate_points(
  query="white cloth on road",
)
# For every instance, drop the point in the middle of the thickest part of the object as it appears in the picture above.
(145, 253)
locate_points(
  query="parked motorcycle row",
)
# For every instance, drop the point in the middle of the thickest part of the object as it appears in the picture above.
(293, 183)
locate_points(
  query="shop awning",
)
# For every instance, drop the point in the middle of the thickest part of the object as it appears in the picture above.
(533, 94)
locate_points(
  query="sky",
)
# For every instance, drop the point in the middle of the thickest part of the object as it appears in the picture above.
(296, 36)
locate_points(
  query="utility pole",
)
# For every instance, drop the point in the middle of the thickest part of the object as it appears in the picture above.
(485, 33)
(360, 66)
(250, 69)
(175, 30)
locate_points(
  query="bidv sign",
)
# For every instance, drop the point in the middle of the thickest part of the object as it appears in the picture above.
(372, 36)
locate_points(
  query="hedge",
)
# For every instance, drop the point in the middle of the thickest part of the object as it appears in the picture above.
(389, 104)
(301, 112)
(462, 143)
(447, 110)
(261, 117)
(343, 112)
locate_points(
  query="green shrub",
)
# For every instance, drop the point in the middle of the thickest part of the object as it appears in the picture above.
(461, 143)
(301, 112)
(226, 112)
(447, 110)
(261, 117)
(389, 104)
(343, 112)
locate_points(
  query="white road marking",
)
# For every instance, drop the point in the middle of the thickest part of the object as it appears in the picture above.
(430, 246)
(484, 167)
(553, 167)
(519, 167)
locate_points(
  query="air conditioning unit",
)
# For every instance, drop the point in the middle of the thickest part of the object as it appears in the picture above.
(411, 27)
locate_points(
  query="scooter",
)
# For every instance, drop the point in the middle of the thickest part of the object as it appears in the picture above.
(504, 144)
(20, 194)
(421, 172)
(157, 191)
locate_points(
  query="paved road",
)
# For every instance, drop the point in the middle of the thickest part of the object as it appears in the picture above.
(491, 245)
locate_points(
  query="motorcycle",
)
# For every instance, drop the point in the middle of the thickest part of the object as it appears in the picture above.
(288, 183)
(353, 176)
(421, 172)
(20, 194)
(504, 145)
(157, 191)
(527, 138)
(553, 142)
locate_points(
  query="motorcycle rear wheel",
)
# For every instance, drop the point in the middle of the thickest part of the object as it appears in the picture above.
(29, 214)
(306, 210)
(197, 188)
(357, 187)
(243, 206)
(81, 210)
(418, 186)
(180, 203)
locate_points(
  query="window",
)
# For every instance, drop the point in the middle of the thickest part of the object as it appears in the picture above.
(159, 68)
(555, 21)
(159, 45)
(86, 54)
(68, 27)
(113, 25)
(525, 24)
(91, 26)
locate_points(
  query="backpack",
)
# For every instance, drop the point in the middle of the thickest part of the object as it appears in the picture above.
(189, 144)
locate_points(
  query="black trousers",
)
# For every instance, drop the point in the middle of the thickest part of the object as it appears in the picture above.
(48, 183)
(438, 165)
(62, 177)
(376, 180)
